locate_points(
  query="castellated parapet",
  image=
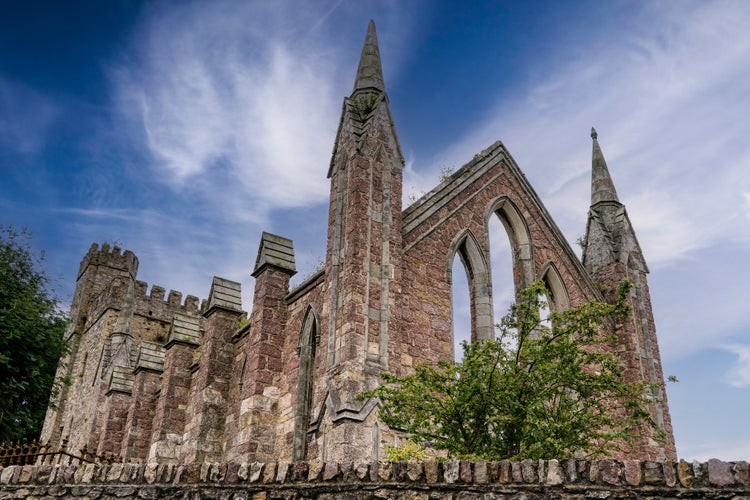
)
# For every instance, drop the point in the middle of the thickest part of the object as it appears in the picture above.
(161, 380)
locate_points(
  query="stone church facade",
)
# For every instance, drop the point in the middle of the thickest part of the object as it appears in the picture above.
(178, 381)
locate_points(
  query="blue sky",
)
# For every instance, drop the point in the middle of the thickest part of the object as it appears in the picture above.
(183, 129)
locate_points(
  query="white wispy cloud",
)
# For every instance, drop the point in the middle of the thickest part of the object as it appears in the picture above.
(231, 90)
(667, 92)
(237, 104)
(738, 374)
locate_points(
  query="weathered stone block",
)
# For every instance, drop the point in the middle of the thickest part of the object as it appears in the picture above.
(256, 469)
(685, 474)
(740, 470)
(6, 474)
(555, 475)
(330, 471)
(431, 471)
(609, 471)
(528, 471)
(653, 473)
(451, 471)
(719, 473)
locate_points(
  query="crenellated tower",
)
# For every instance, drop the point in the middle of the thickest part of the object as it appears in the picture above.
(98, 270)
(612, 254)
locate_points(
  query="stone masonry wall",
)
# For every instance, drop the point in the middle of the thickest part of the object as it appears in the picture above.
(465, 202)
(529, 479)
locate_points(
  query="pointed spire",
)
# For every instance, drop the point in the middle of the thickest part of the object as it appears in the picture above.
(370, 71)
(602, 187)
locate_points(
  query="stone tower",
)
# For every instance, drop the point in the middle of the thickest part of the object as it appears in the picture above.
(363, 259)
(612, 255)
(104, 273)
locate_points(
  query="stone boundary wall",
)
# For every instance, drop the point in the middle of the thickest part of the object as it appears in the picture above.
(529, 479)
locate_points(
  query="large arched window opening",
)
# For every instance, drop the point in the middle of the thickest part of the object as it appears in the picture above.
(461, 307)
(510, 253)
(307, 344)
(501, 258)
(466, 253)
(557, 295)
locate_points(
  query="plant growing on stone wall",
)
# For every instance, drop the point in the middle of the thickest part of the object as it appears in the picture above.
(243, 321)
(542, 389)
(446, 172)
(411, 450)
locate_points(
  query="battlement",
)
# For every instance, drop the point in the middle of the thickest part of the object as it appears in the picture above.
(159, 304)
(173, 300)
(112, 257)
(152, 305)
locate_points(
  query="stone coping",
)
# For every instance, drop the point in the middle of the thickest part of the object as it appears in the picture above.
(559, 474)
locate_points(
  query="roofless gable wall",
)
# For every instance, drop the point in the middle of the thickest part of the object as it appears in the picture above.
(454, 219)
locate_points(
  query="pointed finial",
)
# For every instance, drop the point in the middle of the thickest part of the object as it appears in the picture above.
(370, 71)
(602, 187)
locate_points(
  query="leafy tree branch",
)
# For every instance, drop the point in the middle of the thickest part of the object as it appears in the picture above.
(542, 389)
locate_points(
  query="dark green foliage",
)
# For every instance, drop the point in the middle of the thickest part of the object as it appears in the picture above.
(542, 389)
(31, 339)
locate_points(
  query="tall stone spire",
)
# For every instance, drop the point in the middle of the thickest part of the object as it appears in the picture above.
(370, 71)
(611, 255)
(602, 187)
(363, 267)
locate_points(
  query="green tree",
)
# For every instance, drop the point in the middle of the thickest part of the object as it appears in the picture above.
(31, 338)
(542, 389)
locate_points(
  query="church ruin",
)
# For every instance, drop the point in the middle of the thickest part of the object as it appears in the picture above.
(178, 381)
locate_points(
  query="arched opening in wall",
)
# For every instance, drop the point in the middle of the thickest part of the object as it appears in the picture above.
(557, 294)
(307, 344)
(461, 307)
(501, 263)
(511, 256)
(471, 301)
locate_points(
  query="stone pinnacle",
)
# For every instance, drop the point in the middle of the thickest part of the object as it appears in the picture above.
(602, 187)
(370, 71)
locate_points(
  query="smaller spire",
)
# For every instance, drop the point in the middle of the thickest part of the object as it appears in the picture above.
(602, 187)
(370, 71)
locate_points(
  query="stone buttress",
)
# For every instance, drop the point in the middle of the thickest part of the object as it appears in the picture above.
(258, 355)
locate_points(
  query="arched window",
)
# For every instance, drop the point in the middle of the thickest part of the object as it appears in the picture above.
(461, 307)
(557, 295)
(510, 251)
(501, 257)
(477, 282)
(307, 344)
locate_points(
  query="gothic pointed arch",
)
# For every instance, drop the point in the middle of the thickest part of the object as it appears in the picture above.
(557, 295)
(520, 239)
(476, 263)
(308, 340)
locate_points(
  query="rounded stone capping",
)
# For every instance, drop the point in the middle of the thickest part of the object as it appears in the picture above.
(679, 479)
